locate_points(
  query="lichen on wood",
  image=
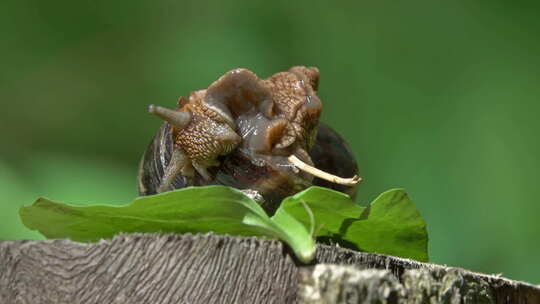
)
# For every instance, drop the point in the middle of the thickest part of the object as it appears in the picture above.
(329, 283)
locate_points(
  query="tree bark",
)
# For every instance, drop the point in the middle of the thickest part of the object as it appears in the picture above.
(160, 268)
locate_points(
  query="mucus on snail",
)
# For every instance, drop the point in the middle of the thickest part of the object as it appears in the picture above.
(249, 133)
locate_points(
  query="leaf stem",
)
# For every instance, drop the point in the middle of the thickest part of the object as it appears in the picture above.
(322, 174)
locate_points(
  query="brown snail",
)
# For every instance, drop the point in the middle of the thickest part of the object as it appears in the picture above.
(249, 133)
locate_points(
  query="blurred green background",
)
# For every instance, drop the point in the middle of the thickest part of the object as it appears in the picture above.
(438, 97)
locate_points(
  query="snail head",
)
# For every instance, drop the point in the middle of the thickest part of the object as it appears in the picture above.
(259, 131)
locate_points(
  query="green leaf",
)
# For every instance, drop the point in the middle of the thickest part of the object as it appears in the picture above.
(332, 210)
(219, 209)
(392, 226)
(296, 234)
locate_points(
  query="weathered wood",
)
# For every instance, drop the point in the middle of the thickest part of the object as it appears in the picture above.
(156, 268)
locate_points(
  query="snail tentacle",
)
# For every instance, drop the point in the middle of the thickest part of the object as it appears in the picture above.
(176, 165)
(202, 170)
(177, 119)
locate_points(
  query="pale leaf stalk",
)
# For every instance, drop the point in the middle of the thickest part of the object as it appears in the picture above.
(322, 174)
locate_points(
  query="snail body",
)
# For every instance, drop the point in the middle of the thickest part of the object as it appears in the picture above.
(244, 132)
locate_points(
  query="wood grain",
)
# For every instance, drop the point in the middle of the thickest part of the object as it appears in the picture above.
(161, 268)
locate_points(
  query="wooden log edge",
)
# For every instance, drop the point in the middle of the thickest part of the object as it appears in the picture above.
(168, 268)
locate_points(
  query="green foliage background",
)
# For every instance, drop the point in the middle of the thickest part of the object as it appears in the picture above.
(438, 97)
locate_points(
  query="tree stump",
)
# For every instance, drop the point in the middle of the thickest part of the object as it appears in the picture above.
(166, 268)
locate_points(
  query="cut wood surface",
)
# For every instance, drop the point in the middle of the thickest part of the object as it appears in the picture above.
(161, 268)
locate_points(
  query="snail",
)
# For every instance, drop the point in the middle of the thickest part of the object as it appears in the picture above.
(253, 134)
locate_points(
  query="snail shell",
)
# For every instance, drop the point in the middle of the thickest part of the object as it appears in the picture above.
(257, 158)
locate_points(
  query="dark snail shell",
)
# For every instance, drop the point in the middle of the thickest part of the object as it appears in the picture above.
(332, 154)
(238, 169)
